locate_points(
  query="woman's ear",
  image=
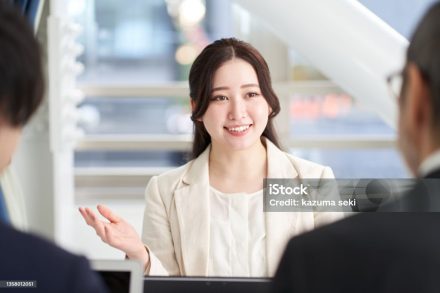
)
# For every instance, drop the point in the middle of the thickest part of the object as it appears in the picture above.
(193, 107)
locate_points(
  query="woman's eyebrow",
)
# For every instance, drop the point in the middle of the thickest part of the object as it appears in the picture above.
(219, 88)
(250, 85)
(226, 88)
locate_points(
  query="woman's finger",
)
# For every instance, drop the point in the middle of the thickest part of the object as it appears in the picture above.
(85, 216)
(97, 224)
(108, 214)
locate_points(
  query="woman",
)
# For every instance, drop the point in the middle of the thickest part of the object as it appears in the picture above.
(206, 218)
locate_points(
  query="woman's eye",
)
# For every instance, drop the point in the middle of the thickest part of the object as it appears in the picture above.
(253, 94)
(219, 98)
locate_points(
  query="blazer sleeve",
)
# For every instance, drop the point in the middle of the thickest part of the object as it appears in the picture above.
(323, 218)
(157, 233)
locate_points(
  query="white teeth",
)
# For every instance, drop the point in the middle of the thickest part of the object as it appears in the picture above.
(239, 129)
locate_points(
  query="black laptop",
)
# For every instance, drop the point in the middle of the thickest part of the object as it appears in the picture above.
(204, 285)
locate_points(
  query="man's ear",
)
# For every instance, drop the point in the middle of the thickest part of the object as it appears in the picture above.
(419, 98)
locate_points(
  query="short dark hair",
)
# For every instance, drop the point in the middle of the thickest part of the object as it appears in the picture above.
(424, 52)
(200, 85)
(21, 74)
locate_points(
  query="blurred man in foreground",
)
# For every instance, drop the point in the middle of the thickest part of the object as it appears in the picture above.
(395, 251)
(26, 259)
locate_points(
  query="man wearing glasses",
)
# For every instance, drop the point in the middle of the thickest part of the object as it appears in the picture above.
(393, 251)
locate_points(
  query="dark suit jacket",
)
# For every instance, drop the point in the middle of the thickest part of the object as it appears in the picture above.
(370, 252)
(26, 257)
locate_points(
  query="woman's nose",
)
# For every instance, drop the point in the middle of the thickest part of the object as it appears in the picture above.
(237, 109)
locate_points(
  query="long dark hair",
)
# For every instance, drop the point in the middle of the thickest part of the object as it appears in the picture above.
(200, 85)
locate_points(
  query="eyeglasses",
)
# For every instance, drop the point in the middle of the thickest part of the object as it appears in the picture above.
(395, 82)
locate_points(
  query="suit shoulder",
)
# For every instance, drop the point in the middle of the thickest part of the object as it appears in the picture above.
(30, 257)
(307, 167)
(174, 174)
(357, 230)
(165, 183)
(14, 240)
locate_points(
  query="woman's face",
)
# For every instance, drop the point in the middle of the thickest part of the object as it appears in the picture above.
(237, 113)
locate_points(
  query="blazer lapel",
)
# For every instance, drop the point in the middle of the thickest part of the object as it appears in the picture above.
(193, 210)
(279, 225)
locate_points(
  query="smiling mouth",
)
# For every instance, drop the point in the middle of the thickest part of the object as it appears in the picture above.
(239, 129)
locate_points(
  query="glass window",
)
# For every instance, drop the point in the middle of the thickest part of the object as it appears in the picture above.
(142, 42)
(401, 15)
(333, 115)
(358, 163)
(136, 115)
(127, 159)
(145, 41)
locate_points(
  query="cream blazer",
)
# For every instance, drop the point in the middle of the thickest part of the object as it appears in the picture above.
(176, 220)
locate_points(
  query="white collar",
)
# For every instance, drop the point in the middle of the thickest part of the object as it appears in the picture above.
(431, 163)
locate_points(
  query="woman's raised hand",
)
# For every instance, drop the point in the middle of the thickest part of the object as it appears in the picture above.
(117, 233)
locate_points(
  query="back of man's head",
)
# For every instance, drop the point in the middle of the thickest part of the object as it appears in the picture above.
(424, 52)
(21, 75)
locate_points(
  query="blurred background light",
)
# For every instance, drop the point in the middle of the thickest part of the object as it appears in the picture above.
(191, 12)
(186, 54)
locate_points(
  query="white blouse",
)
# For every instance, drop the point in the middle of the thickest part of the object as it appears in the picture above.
(237, 235)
